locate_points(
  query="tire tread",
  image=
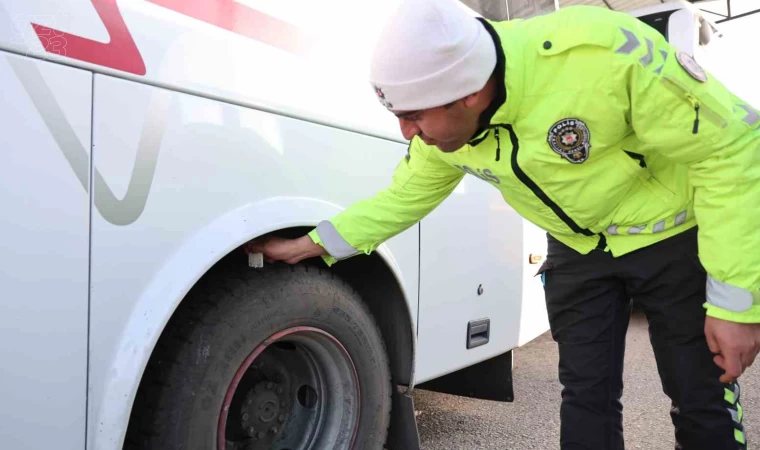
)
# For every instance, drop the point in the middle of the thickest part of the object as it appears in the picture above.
(198, 310)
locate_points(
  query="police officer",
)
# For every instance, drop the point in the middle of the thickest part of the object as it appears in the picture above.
(643, 169)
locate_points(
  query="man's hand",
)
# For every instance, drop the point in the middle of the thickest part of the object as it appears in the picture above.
(735, 346)
(290, 251)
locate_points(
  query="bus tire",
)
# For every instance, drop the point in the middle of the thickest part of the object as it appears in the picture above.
(283, 358)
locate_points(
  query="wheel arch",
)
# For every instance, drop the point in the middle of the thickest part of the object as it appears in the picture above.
(377, 284)
(376, 277)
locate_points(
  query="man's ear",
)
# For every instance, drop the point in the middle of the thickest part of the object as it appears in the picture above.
(477, 100)
(481, 99)
(472, 100)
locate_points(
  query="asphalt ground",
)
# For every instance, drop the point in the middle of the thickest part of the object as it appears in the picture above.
(532, 421)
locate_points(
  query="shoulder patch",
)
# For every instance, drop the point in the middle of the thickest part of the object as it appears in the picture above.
(691, 67)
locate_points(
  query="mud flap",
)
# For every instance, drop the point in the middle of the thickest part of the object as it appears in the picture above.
(487, 380)
(403, 433)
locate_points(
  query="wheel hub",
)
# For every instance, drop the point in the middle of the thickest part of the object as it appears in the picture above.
(297, 390)
(264, 410)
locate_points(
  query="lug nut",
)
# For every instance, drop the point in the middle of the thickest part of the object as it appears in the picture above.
(260, 435)
(280, 390)
(274, 430)
(281, 419)
(251, 431)
(270, 385)
(245, 417)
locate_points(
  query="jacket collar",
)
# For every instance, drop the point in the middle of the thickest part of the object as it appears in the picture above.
(499, 112)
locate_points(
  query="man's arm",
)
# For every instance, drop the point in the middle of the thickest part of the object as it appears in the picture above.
(685, 114)
(420, 183)
(703, 126)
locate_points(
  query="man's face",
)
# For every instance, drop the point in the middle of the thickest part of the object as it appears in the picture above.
(447, 127)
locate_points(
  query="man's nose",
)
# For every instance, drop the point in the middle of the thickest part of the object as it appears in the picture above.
(408, 128)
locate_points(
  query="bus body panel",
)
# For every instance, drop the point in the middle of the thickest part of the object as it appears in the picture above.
(472, 263)
(207, 134)
(214, 176)
(44, 252)
(311, 60)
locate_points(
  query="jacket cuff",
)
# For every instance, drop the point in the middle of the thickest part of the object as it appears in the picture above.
(752, 315)
(329, 260)
(728, 297)
(333, 242)
(332, 245)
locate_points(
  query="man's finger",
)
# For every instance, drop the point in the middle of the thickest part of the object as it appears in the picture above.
(726, 378)
(748, 358)
(712, 343)
(255, 247)
(720, 361)
(752, 357)
(733, 366)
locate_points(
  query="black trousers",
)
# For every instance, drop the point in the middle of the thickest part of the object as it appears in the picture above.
(589, 300)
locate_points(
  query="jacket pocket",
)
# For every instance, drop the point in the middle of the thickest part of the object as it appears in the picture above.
(702, 109)
(545, 267)
(637, 157)
(635, 163)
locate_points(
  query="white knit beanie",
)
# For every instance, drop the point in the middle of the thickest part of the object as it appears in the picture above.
(430, 53)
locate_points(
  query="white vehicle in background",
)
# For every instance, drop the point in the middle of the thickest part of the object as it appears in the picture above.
(143, 143)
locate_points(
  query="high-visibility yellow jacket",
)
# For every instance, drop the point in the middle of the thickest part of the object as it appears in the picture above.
(607, 137)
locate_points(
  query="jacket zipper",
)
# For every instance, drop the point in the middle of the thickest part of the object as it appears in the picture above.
(695, 103)
(684, 93)
(498, 143)
(538, 192)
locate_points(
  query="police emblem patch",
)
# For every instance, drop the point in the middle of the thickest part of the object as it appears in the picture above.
(690, 66)
(571, 139)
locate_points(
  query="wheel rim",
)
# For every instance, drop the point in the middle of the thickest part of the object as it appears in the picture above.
(298, 390)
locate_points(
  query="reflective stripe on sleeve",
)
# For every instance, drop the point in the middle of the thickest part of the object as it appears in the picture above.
(631, 43)
(333, 242)
(647, 59)
(752, 117)
(726, 296)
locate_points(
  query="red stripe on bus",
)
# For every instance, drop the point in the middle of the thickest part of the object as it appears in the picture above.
(242, 20)
(119, 53)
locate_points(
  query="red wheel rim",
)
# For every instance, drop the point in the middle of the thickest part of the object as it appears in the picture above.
(277, 337)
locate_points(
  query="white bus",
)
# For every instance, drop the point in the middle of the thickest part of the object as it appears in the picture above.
(142, 144)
